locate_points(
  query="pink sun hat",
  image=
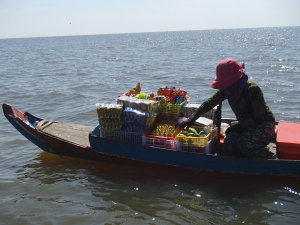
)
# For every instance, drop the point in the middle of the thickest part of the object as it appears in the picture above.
(228, 71)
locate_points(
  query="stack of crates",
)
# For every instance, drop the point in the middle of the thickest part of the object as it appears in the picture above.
(109, 116)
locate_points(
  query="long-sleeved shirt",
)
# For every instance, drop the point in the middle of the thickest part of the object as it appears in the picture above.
(250, 108)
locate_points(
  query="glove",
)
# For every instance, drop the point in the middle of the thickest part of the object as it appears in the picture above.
(185, 122)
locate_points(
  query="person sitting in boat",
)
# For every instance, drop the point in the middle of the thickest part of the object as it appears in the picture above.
(256, 123)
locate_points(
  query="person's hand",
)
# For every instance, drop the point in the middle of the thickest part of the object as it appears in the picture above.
(183, 122)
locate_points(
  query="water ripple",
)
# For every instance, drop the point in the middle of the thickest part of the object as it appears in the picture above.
(63, 78)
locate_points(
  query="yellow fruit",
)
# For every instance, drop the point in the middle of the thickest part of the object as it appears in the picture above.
(138, 87)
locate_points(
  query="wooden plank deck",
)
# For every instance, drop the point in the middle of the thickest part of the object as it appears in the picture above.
(74, 133)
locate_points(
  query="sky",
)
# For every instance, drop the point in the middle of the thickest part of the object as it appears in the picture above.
(43, 18)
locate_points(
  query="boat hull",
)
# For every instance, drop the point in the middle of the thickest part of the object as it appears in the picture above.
(33, 128)
(194, 161)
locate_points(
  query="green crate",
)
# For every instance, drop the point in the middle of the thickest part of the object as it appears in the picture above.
(169, 108)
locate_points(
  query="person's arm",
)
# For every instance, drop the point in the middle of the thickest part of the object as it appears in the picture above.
(209, 104)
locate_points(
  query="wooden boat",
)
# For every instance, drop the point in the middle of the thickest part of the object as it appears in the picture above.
(84, 141)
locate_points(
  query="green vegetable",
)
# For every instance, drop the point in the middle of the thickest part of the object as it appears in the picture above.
(202, 134)
(192, 130)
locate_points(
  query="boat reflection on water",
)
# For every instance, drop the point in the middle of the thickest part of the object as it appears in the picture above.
(92, 189)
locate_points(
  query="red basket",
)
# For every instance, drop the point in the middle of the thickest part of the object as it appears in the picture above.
(161, 142)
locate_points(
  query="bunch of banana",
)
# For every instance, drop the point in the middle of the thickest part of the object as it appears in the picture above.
(165, 128)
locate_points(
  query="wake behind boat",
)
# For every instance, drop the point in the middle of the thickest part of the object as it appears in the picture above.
(86, 142)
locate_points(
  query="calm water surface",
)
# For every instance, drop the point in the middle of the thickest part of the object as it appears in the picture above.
(62, 78)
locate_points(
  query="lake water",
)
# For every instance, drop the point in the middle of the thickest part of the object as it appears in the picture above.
(62, 78)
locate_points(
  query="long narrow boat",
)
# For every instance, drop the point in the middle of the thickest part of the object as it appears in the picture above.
(84, 142)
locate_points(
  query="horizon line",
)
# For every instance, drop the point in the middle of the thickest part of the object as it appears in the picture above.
(145, 32)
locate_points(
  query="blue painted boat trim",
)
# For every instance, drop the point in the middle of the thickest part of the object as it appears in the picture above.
(196, 161)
